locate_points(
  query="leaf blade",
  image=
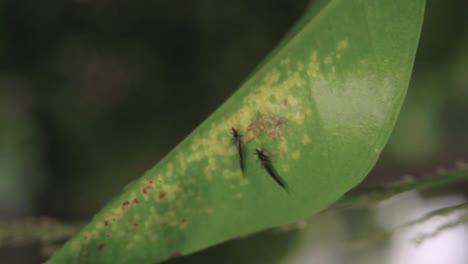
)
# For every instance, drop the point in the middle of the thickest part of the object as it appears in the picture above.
(323, 104)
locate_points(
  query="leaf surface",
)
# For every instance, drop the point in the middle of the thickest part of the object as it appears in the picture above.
(322, 106)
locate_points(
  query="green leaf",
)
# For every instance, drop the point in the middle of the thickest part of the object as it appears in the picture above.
(322, 105)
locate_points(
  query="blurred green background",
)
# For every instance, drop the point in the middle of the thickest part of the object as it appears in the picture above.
(93, 93)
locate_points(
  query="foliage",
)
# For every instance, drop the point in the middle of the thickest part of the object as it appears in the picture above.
(322, 106)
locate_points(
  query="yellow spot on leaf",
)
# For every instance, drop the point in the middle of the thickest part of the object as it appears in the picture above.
(272, 76)
(293, 102)
(148, 224)
(183, 164)
(313, 57)
(232, 174)
(343, 44)
(296, 154)
(215, 145)
(210, 168)
(298, 117)
(76, 246)
(283, 146)
(197, 156)
(169, 190)
(274, 100)
(95, 234)
(300, 66)
(313, 69)
(196, 142)
(298, 80)
(168, 218)
(285, 61)
(244, 181)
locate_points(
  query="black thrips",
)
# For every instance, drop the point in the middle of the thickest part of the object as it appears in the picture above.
(266, 163)
(238, 141)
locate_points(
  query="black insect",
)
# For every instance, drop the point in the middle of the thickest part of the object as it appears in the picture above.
(266, 163)
(238, 141)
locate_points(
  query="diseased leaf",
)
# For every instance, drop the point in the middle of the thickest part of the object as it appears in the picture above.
(321, 106)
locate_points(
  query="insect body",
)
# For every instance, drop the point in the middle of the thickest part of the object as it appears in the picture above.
(238, 141)
(266, 163)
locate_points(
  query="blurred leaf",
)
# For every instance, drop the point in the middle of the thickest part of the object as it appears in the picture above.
(24, 231)
(375, 195)
(322, 105)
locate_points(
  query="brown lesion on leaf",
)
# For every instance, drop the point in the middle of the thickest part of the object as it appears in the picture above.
(125, 205)
(183, 223)
(175, 255)
(161, 195)
(146, 187)
(269, 124)
(106, 223)
(274, 126)
(284, 101)
(101, 246)
(133, 224)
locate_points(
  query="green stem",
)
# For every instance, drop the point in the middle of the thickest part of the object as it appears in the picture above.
(375, 195)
